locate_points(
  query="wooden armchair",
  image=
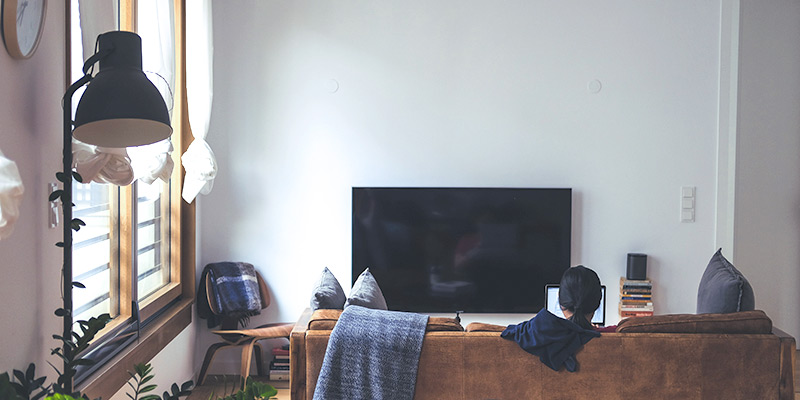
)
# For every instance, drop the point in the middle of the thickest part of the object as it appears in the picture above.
(232, 335)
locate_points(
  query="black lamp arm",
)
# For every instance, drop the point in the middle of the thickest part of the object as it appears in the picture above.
(87, 66)
(66, 209)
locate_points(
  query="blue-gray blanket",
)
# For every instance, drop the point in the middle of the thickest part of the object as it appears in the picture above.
(234, 293)
(372, 355)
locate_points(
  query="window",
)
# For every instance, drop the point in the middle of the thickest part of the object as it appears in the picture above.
(135, 254)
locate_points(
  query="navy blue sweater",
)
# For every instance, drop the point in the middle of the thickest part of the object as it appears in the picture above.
(555, 340)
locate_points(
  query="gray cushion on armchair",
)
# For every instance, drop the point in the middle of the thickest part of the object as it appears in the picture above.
(723, 289)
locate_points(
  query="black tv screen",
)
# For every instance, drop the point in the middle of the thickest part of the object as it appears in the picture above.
(481, 250)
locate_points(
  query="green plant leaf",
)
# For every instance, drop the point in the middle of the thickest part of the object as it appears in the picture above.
(7, 391)
(59, 396)
(19, 375)
(59, 244)
(60, 312)
(148, 388)
(85, 361)
(60, 176)
(77, 176)
(77, 224)
(78, 285)
(56, 194)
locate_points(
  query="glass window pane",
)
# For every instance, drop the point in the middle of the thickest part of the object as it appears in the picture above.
(152, 253)
(93, 252)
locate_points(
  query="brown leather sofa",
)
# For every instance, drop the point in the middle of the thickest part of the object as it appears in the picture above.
(709, 356)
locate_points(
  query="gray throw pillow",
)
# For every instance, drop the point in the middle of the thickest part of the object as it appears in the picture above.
(723, 289)
(328, 294)
(366, 293)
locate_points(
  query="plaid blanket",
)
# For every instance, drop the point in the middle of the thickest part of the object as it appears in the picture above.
(372, 355)
(234, 292)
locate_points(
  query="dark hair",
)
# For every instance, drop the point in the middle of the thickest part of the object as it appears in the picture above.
(580, 293)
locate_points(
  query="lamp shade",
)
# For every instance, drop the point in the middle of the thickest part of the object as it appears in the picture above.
(121, 107)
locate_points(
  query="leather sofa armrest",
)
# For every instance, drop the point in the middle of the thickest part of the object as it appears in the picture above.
(788, 354)
(297, 356)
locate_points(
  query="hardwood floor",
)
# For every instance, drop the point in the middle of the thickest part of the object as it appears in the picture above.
(218, 386)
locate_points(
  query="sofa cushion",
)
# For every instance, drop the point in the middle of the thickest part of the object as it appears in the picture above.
(366, 293)
(723, 289)
(328, 293)
(439, 324)
(482, 327)
(753, 322)
(325, 320)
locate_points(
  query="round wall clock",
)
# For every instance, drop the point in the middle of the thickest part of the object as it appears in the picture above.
(23, 22)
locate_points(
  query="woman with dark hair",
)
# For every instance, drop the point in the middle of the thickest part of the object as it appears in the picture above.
(579, 295)
(556, 340)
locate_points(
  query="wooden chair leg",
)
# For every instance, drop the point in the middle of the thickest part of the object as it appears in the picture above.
(259, 363)
(207, 361)
(247, 356)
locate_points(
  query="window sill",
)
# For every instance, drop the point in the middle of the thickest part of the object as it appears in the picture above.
(112, 377)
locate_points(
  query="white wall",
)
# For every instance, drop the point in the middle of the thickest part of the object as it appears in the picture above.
(462, 93)
(30, 286)
(767, 220)
(30, 135)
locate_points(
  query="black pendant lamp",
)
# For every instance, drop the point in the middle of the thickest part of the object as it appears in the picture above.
(121, 107)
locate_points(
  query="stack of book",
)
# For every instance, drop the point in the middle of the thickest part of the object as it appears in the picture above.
(636, 298)
(279, 366)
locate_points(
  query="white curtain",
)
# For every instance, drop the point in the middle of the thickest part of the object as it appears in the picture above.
(101, 164)
(156, 27)
(146, 163)
(11, 190)
(198, 160)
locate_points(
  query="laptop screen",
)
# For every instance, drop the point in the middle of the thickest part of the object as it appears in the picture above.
(551, 299)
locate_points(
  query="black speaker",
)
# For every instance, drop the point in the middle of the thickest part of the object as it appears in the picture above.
(637, 267)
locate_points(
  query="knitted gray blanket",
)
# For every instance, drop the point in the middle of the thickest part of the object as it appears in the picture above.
(372, 355)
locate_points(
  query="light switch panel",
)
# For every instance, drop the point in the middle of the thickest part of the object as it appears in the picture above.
(687, 203)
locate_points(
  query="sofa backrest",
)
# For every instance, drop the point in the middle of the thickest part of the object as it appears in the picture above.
(753, 322)
(482, 365)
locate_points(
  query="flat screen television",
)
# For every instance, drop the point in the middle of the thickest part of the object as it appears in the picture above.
(479, 250)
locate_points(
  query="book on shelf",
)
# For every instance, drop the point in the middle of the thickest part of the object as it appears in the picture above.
(636, 298)
(637, 291)
(628, 314)
(635, 283)
(635, 310)
(279, 375)
(278, 364)
(636, 305)
(635, 302)
(280, 352)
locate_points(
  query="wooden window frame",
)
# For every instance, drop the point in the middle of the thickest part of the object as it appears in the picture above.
(171, 308)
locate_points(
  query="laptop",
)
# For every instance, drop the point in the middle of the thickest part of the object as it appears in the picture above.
(551, 299)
